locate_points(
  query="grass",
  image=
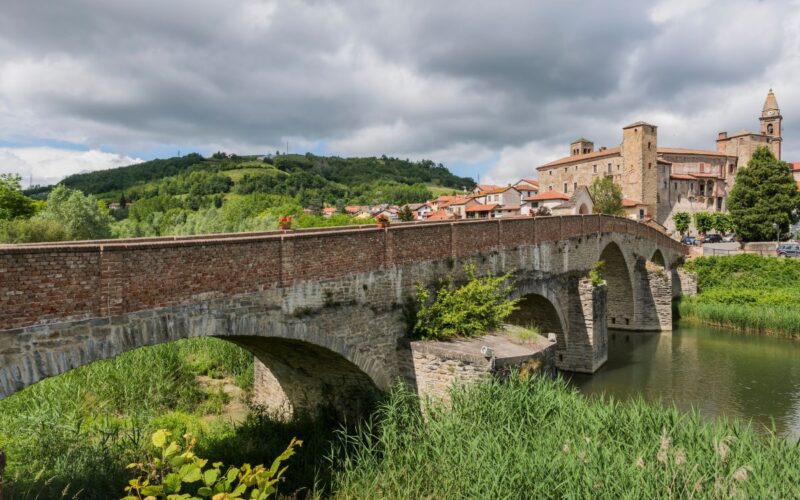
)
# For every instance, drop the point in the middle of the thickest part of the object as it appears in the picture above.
(532, 438)
(746, 292)
(78, 431)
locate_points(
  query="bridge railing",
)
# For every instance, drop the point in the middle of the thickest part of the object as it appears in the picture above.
(54, 282)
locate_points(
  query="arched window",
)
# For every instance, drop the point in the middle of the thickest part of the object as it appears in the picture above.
(769, 129)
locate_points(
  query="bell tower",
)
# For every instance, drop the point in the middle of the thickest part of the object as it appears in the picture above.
(771, 123)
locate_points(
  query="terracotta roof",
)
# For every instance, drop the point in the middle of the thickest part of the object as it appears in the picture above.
(447, 198)
(487, 187)
(707, 175)
(416, 206)
(631, 203)
(796, 166)
(329, 210)
(548, 195)
(482, 208)
(507, 207)
(355, 208)
(685, 151)
(498, 190)
(682, 177)
(440, 215)
(584, 157)
(460, 201)
(665, 162)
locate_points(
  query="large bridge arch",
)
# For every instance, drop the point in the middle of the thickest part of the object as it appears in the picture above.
(302, 359)
(621, 309)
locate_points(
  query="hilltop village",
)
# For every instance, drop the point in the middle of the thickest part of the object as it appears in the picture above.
(656, 181)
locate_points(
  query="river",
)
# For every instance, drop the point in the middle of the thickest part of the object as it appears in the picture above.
(717, 372)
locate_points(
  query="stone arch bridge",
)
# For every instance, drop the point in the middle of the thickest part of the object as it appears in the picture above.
(322, 310)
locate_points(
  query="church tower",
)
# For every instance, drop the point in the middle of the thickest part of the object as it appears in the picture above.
(771, 123)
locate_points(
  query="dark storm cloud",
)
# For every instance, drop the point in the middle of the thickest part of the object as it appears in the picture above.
(461, 80)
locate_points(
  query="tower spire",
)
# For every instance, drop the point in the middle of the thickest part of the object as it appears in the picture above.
(770, 104)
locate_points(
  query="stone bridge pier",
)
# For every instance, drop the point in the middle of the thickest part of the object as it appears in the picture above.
(324, 312)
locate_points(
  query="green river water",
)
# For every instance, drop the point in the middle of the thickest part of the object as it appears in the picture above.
(717, 372)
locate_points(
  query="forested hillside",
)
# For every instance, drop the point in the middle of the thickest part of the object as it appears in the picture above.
(224, 193)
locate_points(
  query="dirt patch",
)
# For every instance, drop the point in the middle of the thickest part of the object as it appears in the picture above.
(236, 409)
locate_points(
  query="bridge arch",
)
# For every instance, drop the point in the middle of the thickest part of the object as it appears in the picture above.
(617, 273)
(658, 259)
(302, 363)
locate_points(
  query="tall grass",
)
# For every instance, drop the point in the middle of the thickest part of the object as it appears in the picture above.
(746, 292)
(538, 439)
(79, 430)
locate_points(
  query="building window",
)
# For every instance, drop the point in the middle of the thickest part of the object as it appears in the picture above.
(679, 198)
(551, 172)
(648, 146)
(550, 187)
(617, 168)
(565, 187)
(702, 168)
(658, 197)
(691, 187)
(676, 186)
(769, 129)
(594, 169)
(702, 188)
(649, 166)
(609, 168)
(574, 186)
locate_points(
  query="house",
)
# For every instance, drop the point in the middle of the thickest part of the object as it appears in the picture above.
(328, 211)
(482, 188)
(442, 202)
(440, 214)
(501, 196)
(527, 188)
(581, 203)
(480, 211)
(420, 210)
(634, 209)
(458, 207)
(389, 213)
(548, 200)
(355, 209)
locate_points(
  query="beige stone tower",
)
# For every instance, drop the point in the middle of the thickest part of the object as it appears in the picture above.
(640, 165)
(771, 123)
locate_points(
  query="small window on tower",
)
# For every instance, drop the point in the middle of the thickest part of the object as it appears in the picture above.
(594, 169)
(769, 129)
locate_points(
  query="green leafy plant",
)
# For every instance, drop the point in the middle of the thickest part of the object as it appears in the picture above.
(468, 310)
(596, 274)
(173, 473)
(682, 221)
(703, 221)
(607, 196)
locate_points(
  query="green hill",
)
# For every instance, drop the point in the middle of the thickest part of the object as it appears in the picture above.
(329, 179)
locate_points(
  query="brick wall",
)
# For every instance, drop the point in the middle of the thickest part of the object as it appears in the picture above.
(57, 282)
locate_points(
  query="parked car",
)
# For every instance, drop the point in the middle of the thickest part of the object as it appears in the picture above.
(689, 240)
(713, 238)
(788, 250)
(729, 238)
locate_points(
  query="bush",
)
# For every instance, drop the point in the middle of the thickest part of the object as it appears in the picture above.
(596, 274)
(468, 310)
(170, 472)
(33, 230)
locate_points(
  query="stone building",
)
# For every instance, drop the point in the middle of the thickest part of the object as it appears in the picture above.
(660, 181)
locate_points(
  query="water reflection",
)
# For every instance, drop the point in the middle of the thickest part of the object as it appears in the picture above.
(715, 371)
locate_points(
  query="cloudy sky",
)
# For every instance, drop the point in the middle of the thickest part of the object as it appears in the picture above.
(490, 88)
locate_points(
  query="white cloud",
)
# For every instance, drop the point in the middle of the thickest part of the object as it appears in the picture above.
(45, 165)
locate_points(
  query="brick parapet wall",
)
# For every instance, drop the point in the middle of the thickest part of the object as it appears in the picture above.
(55, 282)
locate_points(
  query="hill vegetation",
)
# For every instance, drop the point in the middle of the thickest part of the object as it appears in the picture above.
(225, 193)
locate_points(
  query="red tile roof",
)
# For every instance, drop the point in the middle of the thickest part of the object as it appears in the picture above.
(548, 195)
(482, 208)
(487, 187)
(588, 156)
(682, 177)
(631, 203)
(707, 175)
(440, 214)
(796, 166)
(691, 152)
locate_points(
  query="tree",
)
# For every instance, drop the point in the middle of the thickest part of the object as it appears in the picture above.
(542, 212)
(703, 221)
(682, 221)
(607, 196)
(722, 222)
(406, 215)
(764, 194)
(82, 216)
(14, 204)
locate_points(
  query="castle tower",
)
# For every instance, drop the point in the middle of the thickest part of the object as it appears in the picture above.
(771, 123)
(640, 165)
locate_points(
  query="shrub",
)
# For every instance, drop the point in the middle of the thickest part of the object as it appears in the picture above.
(596, 274)
(171, 472)
(468, 310)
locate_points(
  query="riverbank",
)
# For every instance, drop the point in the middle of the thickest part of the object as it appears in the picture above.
(536, 438)
(746, 292)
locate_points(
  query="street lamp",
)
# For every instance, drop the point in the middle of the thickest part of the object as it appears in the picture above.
(777, 232)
